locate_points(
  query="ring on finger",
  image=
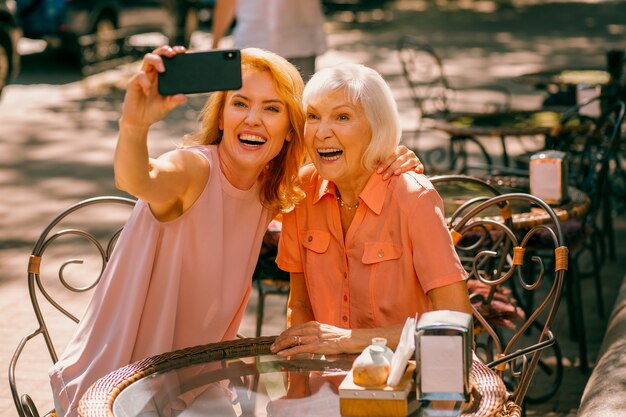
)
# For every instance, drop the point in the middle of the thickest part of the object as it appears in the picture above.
(297, 340)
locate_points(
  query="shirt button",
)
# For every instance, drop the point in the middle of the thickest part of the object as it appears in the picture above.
(309, 239)
(345, 318)
(381, 253)
(345, 298)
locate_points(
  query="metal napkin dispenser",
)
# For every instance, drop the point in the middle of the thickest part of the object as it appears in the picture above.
(443, 354)
(549, 177)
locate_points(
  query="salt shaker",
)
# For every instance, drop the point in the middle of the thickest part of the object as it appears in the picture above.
(382, 342)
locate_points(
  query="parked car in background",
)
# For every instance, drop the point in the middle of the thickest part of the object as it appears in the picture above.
(332, 6)
(94, 30)
(9, 35)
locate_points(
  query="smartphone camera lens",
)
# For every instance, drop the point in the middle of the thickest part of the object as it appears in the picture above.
(229, 55)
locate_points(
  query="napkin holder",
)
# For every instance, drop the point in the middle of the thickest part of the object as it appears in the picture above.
(549, 176)
(443, 353)
(382, 401)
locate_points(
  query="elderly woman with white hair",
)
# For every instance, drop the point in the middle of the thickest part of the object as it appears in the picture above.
(363, 254)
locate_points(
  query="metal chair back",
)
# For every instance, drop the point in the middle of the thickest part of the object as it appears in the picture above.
(593, 151)
(84, 234)
(431, 91)
(267, 277)
(500, 273)
(423, 71)
(595, 167)
(436, 100)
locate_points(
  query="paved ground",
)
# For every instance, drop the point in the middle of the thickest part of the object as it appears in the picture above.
(58, 134)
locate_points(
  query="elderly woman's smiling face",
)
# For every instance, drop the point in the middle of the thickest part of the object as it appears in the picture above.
(336, 134)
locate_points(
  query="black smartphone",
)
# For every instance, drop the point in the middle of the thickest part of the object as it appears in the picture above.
(201, 72)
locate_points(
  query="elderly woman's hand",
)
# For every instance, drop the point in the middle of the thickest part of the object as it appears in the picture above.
(143, 105)
(314, 337)
(401, 160)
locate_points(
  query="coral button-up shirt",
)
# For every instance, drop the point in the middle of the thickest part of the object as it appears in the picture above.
(396, 250)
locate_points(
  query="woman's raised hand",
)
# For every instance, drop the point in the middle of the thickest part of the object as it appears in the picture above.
(143, 105)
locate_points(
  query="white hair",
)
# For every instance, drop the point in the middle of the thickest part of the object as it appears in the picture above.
(364, 86)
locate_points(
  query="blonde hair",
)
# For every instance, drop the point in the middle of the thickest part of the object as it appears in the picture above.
(280, 183)
(367, 87)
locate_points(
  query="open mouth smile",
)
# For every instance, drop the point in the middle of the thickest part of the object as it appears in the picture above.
(330, 154)
(252, 140)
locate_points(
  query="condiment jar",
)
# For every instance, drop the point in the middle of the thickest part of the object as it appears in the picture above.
(371, 367)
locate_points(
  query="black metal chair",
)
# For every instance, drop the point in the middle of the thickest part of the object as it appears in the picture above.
(594, 157)
(509, 341)
(268, 278)
(83, 235)
(591, 157)
(591, 143)
(431, 91)
(436, 99)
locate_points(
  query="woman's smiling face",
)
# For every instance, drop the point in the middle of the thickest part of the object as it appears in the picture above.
(255, 122)
(336, 135)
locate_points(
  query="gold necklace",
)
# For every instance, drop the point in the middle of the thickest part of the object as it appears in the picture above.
(342, 203)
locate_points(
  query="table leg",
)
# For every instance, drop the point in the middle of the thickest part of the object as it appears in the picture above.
(505, 153)
(458, 149)
(575, 312)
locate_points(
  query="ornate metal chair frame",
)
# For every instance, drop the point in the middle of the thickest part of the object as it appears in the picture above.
(24, 404)
(510, 254)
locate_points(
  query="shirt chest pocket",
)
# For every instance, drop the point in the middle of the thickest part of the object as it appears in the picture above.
(315, 240)
(375, 252)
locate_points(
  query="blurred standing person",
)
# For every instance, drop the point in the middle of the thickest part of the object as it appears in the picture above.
(293, 29)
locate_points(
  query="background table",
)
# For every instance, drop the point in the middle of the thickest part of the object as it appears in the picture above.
(241, 378)
(524, 216)
(561, 84)
(501, 125)
(565, 77)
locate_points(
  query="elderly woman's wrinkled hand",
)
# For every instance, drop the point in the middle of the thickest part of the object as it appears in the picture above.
(312, 337)
(143, 105)
(401, 160)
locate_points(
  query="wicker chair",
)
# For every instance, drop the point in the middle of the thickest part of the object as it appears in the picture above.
(84, 234)
(496, 259)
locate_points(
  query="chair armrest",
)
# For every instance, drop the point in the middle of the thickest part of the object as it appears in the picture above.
(523, 352)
